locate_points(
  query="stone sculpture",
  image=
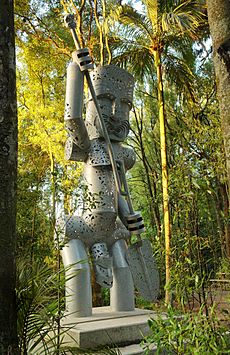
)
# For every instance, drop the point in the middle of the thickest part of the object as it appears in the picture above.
(103, 226)
(108, 219)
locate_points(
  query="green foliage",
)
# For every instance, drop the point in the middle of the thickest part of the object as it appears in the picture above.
(224, 268)
(187, 334)
(40, 309)
(195, 149)
(197, 180)
(39, 306)
(44, 181)
(105, 296)
(40, 120)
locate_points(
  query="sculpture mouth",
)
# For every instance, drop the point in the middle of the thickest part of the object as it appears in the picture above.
(120, 131)
(117, 129)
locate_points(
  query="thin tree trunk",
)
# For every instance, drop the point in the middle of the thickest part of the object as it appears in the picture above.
(53, 186)
(154, 210)
(33, 224)
(155, 215)
(8, 175)
(100, 29)
(96, 288)
(167, 227)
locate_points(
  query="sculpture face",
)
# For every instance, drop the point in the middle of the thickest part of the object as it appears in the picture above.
(114, 89)
(115, 112)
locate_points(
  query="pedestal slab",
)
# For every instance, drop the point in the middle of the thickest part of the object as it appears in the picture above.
(105, 327)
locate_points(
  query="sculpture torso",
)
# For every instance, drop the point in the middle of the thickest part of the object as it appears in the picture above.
(102, 194)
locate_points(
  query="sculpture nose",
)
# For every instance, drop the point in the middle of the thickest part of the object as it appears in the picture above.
(116, 108)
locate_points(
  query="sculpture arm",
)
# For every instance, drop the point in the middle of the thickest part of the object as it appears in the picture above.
(124, 164)
(74, 122)
(132, 220)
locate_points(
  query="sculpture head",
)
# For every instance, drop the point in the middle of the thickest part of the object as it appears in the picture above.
(114, 90)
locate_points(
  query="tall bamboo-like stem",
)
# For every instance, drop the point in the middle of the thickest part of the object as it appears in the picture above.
(33, 224)
(157, 47)
(53, 220)
(53, 185)
(167, 227)
(154, 211)
(105, 28)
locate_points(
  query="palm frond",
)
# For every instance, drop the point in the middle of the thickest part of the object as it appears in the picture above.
(128, 16)
(179, 74)
(152, 8)
(138, 61)
(38, 306)
(135, 36)
(182, 48)
(184, 19)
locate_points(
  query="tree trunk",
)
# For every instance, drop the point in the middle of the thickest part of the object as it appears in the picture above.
(8, 171)
(167, 227)
(226, 221)
(219, 23)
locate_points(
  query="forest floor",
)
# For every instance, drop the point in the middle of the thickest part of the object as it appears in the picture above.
(219, 298)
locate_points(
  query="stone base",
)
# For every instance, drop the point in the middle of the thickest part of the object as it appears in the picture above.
(107, 328)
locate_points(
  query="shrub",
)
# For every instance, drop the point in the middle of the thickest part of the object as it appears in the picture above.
(192, 333)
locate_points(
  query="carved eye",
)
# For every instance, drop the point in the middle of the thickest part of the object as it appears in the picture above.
(106, 97)
(128, 103)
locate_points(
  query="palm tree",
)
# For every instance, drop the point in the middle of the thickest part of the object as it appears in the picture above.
(160, 38)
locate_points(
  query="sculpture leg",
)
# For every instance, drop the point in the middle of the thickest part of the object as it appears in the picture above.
(78, 282)
(122, 292)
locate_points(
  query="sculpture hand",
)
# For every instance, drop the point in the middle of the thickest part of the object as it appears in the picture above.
(83, 59)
